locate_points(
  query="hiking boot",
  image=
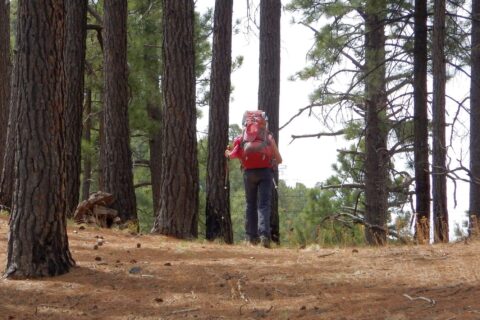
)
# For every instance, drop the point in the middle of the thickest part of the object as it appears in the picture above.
(265, 242)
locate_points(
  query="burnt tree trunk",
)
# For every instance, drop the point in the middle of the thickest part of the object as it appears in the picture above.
(4, 74)
(76, 32)
(178, 207)
(269, 85)
(377, 159)
(217, 211)
(115, 151)
(422, 175)
(439, 154)
(87, 157)
(38, 243)
(475, 121)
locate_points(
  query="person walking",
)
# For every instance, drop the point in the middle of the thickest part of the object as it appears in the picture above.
(259, 156)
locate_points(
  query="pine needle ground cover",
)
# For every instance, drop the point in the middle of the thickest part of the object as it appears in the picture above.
(124, 276)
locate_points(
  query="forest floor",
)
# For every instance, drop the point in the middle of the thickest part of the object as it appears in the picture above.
(156, 277)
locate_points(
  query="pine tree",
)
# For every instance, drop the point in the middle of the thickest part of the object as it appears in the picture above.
(116, 157)
(269, 85)
(178, 208)
(218, 220)
(38, 244)
(75, 46)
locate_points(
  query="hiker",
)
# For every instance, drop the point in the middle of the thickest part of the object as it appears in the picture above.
(259, 156)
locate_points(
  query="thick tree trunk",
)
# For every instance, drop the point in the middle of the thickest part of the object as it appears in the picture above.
(377, 159)
(474, 122)
(439, 154)
(422, 176)
(269, 85)
(76, 32)
(178, 207)
(4, 74)
(218, 219)
(38, 244)
(87, 157)
(115, 152)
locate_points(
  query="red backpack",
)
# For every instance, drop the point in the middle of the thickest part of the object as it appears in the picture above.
(255, 143)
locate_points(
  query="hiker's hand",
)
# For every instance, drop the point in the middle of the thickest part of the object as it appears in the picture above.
(227, 152)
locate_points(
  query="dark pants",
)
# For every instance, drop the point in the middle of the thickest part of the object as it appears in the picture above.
(258, 193)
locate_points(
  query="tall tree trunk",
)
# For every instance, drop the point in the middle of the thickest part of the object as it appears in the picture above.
(269, 85)
(115, 152)
(439, 178)
(76, 32)
(377, 159)
(422, 176)
(217, 211)
(38, 244)
(4, 74)
(474, 121)
(7, 170)
(87, 157)
(178, 207)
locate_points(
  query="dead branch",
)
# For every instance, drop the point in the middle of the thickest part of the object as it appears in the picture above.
(344, 185)
(318, 135)
(431, 301)
(95, 14)
(184, 311)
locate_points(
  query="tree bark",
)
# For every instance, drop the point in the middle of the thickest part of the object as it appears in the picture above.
(115, 152)
(7, 178)
(217, 211)
(178, 208)
(376, 160)
(87, 157)
(269, 85)
(4, 74)
(474, 121)
(38, 244)
(422, 174)
(439, 154)
(76, 32)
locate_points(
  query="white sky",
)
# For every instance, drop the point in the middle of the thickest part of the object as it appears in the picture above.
(309, 160)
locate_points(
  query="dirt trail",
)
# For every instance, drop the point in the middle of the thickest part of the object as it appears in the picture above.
(155, 277)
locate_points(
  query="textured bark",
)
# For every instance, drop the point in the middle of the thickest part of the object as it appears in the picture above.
(7, 178)
(115, 152)
(4, 74)
(475, 119)
(439, 154)
(76, 32)
(87, 158)
(178, 207)
(422, 176)
(218, 219)
(38, 244)
(376, 161)
(269, 85)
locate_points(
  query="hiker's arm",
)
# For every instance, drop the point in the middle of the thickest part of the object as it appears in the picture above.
(276, 153)
(235, 153)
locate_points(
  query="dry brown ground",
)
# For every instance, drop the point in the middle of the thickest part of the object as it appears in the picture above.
(195, 280)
